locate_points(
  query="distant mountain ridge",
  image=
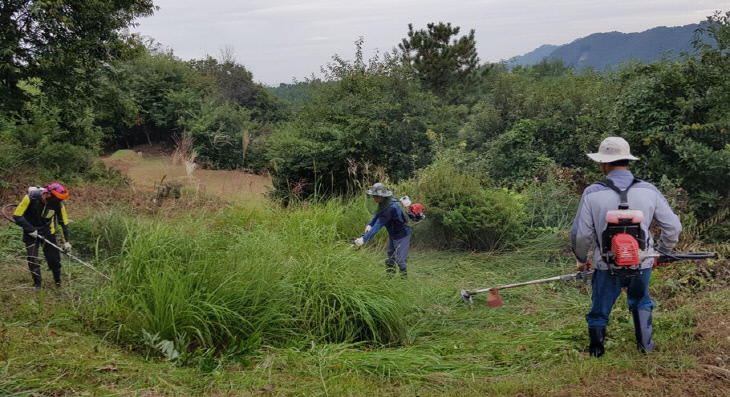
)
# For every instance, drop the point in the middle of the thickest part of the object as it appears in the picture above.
(601, 50)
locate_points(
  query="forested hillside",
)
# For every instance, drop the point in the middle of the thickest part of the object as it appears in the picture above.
(611, 49)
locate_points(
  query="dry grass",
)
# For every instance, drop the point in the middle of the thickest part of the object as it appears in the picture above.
(146, 172)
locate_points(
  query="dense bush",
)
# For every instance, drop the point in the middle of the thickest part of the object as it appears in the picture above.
(468, 214)
(374, 115)
(515, 157)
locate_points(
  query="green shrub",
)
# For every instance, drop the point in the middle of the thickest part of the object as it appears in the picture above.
(469, 215)
(487, 220)
(373, 114)
(515, 156)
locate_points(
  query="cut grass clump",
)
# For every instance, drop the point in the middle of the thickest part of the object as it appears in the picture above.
(284, 277)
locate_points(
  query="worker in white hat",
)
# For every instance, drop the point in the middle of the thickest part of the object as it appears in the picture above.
(591, 242)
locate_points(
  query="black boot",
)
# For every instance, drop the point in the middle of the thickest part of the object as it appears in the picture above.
(390, 267)
(597, 335)
(36, 281)
(57, 276)
(643, 330)
(35, 273)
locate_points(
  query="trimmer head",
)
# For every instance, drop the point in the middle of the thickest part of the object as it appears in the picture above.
(465, 296)
(493, 298)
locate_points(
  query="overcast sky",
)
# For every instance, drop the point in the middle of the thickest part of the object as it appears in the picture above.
(281, 40)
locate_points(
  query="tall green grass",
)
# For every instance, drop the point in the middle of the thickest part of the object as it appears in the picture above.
(284, 276)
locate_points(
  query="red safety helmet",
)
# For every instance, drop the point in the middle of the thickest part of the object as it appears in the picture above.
(57, 190)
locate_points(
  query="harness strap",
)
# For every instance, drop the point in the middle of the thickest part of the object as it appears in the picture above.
(623, 194)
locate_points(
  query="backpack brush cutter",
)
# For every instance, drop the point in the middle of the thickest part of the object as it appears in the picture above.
(494, 300)
(7, 209)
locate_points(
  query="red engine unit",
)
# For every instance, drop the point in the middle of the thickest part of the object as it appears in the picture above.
(417, 209)
(626, 249)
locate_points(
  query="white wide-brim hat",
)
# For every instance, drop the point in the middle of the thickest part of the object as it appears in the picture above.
(612, 149)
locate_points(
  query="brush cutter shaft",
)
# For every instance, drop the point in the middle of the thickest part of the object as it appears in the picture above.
(540, 281)
(73, 257)
(662, 257)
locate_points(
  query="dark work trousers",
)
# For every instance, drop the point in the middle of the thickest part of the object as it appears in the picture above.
(607, 288)
(398, 254)
(52, 255)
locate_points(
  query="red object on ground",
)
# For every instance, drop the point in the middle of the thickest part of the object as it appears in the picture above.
(493, 298)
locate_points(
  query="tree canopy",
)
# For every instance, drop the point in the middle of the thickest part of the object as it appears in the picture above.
(440, 62)
(59, 41)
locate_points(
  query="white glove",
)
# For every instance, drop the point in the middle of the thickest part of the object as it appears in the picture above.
(368, 228)
(67, 247)
(358, 242)
(33, 234)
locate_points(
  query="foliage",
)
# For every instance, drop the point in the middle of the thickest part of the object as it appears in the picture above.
(669, 121)
(296, 95)
(60, 42)
(514, 156)
(443, 65)
(551, 204)
(470, 215)
(370, 114)
(235, 85)
(43, 142)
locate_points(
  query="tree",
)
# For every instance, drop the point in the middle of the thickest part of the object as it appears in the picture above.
(59, 40)
(235, 84)
(366, 116)
(441, 64)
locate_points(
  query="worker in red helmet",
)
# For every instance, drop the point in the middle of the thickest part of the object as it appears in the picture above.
(592, 242)
(42, 215)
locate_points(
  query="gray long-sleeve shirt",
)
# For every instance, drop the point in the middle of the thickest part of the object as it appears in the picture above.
(597, 200)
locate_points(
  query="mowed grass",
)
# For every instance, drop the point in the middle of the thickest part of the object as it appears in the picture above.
(146, 172)
(55, 344)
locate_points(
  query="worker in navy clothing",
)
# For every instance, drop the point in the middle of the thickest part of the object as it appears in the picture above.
(587, 239)
(389, 215)
(41, 214)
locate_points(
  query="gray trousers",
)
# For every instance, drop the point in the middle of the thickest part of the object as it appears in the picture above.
(398, 254)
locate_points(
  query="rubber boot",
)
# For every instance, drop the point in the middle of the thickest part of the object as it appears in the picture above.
(389, 267)
(597, 336)
(36, 281)
(643, 330)
(57, 276)
(35, 273)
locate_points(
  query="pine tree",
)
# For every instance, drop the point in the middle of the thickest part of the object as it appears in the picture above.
(441, 63)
